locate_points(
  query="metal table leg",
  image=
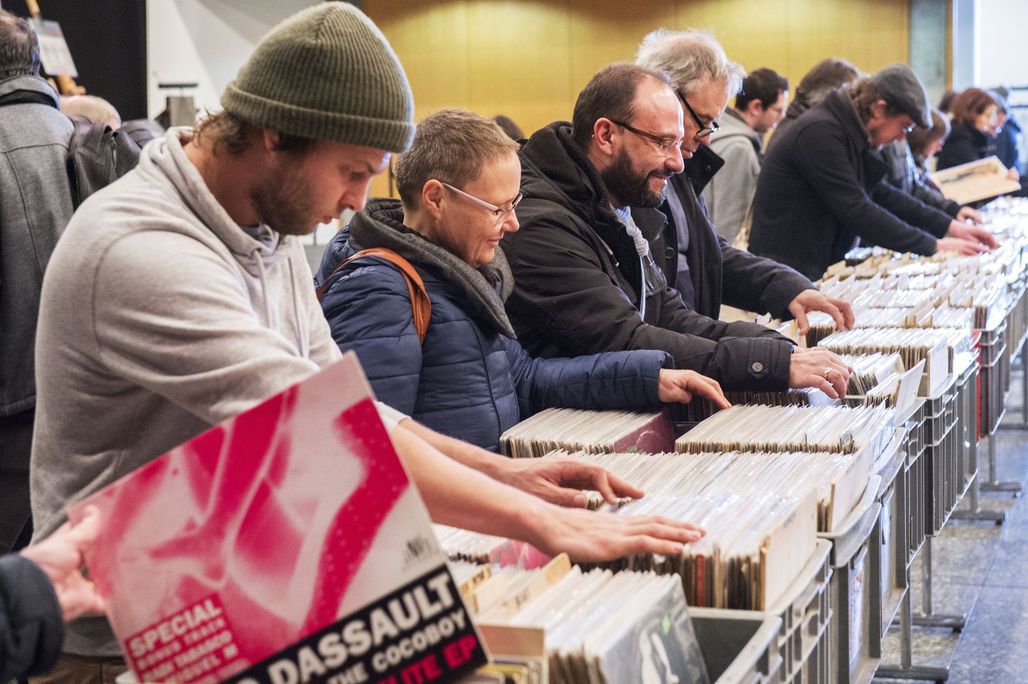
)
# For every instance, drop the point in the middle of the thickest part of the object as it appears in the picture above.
(993, 485)
(929, 618)
(906, 669)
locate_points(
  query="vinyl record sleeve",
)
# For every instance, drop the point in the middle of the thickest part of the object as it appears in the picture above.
(286, 544)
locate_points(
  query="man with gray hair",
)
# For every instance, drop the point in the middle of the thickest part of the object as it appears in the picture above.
(586, 277)
(705, 268)
(35, 205)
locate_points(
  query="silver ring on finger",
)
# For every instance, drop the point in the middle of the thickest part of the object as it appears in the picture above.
(827, 373)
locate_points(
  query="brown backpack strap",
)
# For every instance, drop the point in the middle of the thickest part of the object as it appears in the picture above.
(421, 306)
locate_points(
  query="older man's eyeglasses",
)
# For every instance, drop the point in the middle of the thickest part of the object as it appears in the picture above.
(500, 213)
(664, 145)
(705, 130)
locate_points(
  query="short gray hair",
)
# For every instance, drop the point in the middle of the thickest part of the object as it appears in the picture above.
(451, 146)
(689, 57)
(19, 47)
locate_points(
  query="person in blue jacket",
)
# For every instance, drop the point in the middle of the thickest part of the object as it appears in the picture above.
(469, 378)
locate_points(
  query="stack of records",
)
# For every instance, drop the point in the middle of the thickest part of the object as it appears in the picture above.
(701, 409)
(870, 370)
(935, 346)
(835, 429)
(600, 627)
(594, 431)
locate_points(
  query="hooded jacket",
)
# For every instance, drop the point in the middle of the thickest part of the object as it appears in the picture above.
(470, 378)
(161, 317)
(716, 271)
(822, 186)
(577, 276)
(729, 194)
(35, 206)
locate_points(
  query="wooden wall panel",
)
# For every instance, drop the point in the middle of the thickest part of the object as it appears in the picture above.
(528, 59)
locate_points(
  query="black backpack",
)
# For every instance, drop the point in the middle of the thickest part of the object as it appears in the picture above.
(97, 154)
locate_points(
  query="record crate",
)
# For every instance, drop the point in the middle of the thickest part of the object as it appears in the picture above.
(911, 488)
(940, 457)
(854, 598)
(738, 645)
(888, 548)
(993, 376)
(802, 646)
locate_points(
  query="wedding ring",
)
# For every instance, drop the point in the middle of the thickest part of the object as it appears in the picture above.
(828, 372)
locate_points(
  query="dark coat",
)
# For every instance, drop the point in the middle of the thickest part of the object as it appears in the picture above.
(1008, 144)
(35, 206)
(717, 271)
(470, 379)
(905, 175)
(964, 144)
(822, 186)
(577, 276)
(31, 628)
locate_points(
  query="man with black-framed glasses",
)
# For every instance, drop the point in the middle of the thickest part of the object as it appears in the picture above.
(587, 277)
(705, 268)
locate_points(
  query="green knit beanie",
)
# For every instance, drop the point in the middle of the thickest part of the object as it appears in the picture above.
(326, 73)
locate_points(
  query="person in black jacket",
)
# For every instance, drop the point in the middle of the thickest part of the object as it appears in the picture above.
(974, 114)
(585, 275)
(704, 267)
(39, 588)
(822, 185)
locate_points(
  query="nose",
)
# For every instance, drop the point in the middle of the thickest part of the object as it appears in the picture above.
(510, 223)
(355, 195)
(676, 162)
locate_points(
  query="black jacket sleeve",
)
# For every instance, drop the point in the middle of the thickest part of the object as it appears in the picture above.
(562, 292)
(933, 198)
(910, 209)
(758, 284)
(829, 171)
(31, 629)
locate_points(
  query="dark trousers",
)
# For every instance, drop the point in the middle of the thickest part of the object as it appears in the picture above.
(15, 511)
(74, 669)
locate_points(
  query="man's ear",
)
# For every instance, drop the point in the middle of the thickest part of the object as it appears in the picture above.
(603, 131)
(270, 139)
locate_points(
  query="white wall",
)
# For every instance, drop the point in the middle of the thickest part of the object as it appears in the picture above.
(205, 41)
(1001, 36)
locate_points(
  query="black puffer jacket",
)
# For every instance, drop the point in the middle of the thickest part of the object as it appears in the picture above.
(822, 186)
(905, 175)
(576, 275)
(31, 630)
(717, 271)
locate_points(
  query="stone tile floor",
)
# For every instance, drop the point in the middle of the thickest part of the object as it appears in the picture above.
(981, 570)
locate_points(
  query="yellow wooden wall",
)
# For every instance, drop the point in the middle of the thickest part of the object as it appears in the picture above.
(529, 59)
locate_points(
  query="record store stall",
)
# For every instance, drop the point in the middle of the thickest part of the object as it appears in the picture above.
(814, 509)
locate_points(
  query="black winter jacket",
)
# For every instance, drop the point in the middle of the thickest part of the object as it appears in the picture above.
(576, 275)
(822, 186)
(31, 630)
(719, 272)
(964, 144)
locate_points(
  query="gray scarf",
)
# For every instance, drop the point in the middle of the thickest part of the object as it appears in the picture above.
(486, 288)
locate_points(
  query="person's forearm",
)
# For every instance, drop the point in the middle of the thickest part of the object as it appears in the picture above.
(467, 454)
(463, 494)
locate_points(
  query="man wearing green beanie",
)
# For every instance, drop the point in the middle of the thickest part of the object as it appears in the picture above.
(180, 296)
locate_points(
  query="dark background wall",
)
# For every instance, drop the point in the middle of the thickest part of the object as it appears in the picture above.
(107, 39)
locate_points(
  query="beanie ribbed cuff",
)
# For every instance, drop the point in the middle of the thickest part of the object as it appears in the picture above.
(391, 135)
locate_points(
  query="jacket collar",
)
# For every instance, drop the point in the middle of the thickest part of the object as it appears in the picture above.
(840, 105)
(573, 180)
(702, 167)
(30, 83)
(486, 288)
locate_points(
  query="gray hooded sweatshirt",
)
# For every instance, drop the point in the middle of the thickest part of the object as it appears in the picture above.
(161, 317)
(729, 194)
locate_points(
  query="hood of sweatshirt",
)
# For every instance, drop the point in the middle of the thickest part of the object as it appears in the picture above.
(486, 288)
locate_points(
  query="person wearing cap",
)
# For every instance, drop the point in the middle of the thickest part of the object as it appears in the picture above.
(823, 182)
(180, 296)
